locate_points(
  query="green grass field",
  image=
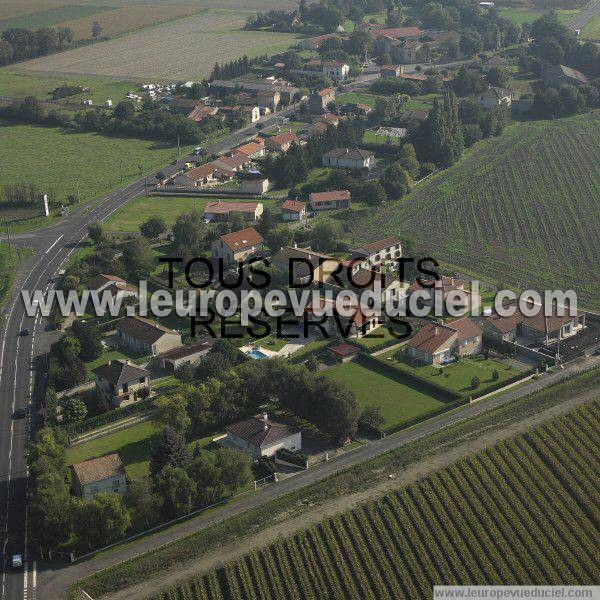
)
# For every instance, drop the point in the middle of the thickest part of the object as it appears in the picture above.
(592, 30)
(399, 403)
(519, 210)
(356, 98)
(528, 15)
(54, 16)
(8, 262)
(50, 157)
(132, 444)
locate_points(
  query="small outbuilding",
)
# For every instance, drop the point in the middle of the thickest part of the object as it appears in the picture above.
(344, 352)
(105, 474)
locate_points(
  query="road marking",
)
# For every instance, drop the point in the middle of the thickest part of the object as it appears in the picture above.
(33, 579)
(56, 242)
(25, 581)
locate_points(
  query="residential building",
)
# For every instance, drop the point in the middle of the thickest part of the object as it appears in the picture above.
(317, 128)
(201, 112)
(119, 381)
(181, 104)
(561, 74)
(293, 210)
(406, 51)
(438, 344)
(171, 360)
(146, 336)
(269, 98)
(392, 290)
(376, 254)
(255, 186)
(313, 43)
(102, 475)
(341, 317)
(344, 352)
(453, 292)
(494, 96)
(397, 33)
(349, 158)
(282, 141)
(252, 113)
(417, 116)
(237, 246)
(234, 163)
(197, 177)
(117, 287)
(329, 200)
(221, 211)
(335, 69)
(304, 265)
(285, 93)
(262, 435)
(318, 101)
(390, 71)
(253, 149)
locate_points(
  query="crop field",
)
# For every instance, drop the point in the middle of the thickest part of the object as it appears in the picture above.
(521, 512)
(520, 210)
(53, 16)
(177, 50)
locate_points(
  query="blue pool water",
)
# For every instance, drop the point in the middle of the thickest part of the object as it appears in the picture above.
(256, 354)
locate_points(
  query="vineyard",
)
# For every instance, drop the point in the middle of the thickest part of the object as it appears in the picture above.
(521, 210)
(522, 512)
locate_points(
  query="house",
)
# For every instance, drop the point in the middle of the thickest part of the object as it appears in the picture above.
(117, 287)
(317, 128)
(119, 381)
(282, 141)
(318, 101)
(417, 116)
(344, 352)
(453, 291)
(184, 105)
(406, 51)
(237, 246)
(329, 200)
(253, 149)
(342, 317)
(269, 98)
(495, 62)
(376, 254)
(391, 288)
(255, 186)
(264, 90)
(494, 96)
(303, 265)
(438, 344)
(252, 113)
(105, 474)
(234, 163)
(390, 71)
(199, 176)
(335, 69)
(562, 74)
(221, 211)
(262, 435)
(292, 210)
(349, 158)
(201, 112)
(329, 119)
(171, 360)
(396, 33)
(313, 43)
(146, 336)
(356, 108)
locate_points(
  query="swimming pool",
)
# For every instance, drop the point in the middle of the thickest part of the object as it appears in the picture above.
(256, 354)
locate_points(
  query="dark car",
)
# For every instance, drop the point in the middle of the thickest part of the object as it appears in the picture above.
(21, 413)
(24, 332)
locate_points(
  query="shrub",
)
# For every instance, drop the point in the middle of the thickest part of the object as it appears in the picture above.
(475, 382)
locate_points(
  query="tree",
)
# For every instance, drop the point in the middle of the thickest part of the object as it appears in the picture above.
(552, 52)
(65, 37)
(236, 468)
(371, 417)
(90, 338)
(96, 29)
(189, 234)
(360, 42)
(396, 181)
(279, 236)
(383, 59)
(138, 258)
(236, 221)
(475, 383)
(6, 53)
(373, 193)
(74, 410)
(69, 349)
(143, 501)
(153, 227)
(102, 521)
(408, 160)
(325, 235)
(71, 375)
(171, 411)
(124, 110)
(206, 475)
(96, 233)
(168, 449)
(495, 375)
(176, 489)
(497, 77)
(434, 15)
(470, 42)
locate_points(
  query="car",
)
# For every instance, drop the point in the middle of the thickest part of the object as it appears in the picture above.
(174, 161)
(24, 332)
(198, 151)
(17, 561)
(21, 413)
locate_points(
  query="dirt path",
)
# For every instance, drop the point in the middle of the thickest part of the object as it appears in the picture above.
(290, 525)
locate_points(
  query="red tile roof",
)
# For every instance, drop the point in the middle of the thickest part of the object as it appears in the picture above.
(261, 431)
(325, 92)
(374, 247)
(245, 238)
(466, 328)
(224, 208)
(293, 206)
(344, 349)
(97, 469)
(287, 137)
(431, 338)
(99, 280)
(397, 32)
(201, 172)
(317, 197)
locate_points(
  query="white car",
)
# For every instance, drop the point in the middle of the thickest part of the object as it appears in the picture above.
(17, 561)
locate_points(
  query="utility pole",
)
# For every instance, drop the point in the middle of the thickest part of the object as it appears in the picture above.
(78, 194)
(178, 148)
(9, 242)
(121, 169)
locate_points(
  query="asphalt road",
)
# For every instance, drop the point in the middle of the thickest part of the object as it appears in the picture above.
(56, 578)
(585, 16)
(23, 363)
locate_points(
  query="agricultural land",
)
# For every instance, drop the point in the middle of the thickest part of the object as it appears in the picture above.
(509, 205)
(519, 512)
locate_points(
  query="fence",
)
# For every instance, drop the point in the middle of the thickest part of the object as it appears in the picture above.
(265, 480)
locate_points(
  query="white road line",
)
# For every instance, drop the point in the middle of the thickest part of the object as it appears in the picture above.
(25, 581)
(33, 579)
(56, 242)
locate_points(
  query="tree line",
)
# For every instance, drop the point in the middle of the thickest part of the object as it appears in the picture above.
(235, 68)
(19, 43)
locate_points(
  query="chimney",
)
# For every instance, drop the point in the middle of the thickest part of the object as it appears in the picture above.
(295, 244)
(266, 426)
(435, 330)
(347, 150)
(265, 416)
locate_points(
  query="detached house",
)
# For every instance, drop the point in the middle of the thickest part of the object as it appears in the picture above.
(237, 246)
(146, 336)
(376, 254)
(221, 211)
(105, 475)
(561, 74)
(253, 149)
(329, 200)
(282, 141)
(494, 96)
(437, 344)
(236, 162)
(454, 292)
(318, 101)
(117, 287)
(390, 71)
(120, 381)
(198, 177)
(293, 210)
(349, 158)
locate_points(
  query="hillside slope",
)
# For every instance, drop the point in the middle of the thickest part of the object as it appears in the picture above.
(522, 209)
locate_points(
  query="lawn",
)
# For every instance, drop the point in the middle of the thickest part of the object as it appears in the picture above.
(525, 15)
(355, 98)
(457, 376)
(592, 30)
(380, 336)
(55, 159)
(399, 403)
(132, 444)
(371, 137)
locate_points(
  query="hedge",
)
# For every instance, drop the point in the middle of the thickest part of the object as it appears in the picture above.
(112, 416)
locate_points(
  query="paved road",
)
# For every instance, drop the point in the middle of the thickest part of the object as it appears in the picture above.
(585, 16)
(56, 578)
(22, 360)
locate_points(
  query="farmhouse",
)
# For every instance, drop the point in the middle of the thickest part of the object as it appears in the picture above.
(237, 246)
(334, 69)
(561, 74)
(376, 254)
(287, 92)
(119, 381)
(171, 360)
(329, 200)
(221, 211)
(313, 43)
(146, 336)
(282, 141)
(102, 475)
(494, 96)
(292, 210)
(201, 112)
(349, 158)
(318, 101)
(262, 435)
(438, 344)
